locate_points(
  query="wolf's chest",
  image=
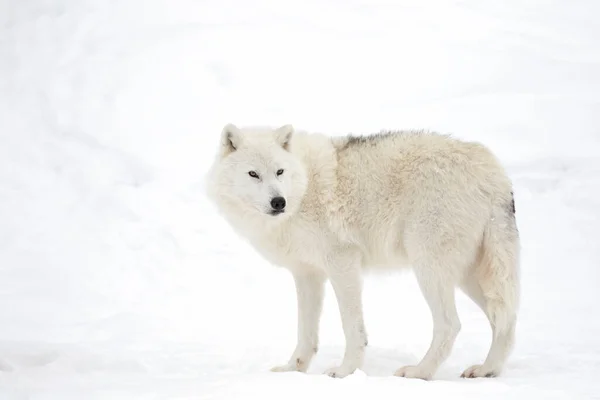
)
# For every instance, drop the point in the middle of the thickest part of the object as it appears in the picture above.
(293, 245)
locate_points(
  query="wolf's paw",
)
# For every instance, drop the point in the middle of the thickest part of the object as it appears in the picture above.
(284, 368)
(339, 372)
(298, 365)
(479, 371)
(412, 371)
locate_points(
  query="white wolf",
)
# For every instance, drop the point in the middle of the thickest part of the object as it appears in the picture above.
(330, 207)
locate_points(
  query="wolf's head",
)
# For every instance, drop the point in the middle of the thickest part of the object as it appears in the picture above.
(257, 173)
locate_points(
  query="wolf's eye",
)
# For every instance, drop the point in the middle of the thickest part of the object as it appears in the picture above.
(279, 172)
(253, 174)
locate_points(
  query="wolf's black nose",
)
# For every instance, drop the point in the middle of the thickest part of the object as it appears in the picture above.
(278, 203)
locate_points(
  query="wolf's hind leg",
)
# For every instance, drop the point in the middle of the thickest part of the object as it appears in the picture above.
(439, 292)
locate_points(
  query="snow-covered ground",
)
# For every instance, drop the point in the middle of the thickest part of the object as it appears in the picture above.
(119, 281)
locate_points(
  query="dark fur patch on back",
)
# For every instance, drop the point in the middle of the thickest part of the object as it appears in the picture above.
(375, 138)
(354, 140)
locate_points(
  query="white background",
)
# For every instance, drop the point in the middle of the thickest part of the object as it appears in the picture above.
(119, 281)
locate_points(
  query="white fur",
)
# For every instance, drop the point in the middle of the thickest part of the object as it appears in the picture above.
(441, 206)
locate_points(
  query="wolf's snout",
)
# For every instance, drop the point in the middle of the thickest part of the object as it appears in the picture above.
(278, 203)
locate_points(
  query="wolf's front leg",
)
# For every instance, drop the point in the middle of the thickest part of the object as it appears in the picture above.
(310, 292)
(346, 280)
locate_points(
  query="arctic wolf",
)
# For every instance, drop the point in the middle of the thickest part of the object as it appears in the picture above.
(328, 208)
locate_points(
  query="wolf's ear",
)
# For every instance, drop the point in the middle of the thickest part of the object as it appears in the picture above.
(283, 135)
(231, 138)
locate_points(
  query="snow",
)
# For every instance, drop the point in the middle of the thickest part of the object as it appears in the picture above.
(119, 281)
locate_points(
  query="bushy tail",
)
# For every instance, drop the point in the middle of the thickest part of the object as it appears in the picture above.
(498, 273)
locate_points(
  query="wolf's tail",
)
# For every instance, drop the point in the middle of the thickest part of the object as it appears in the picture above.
(498, 272)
